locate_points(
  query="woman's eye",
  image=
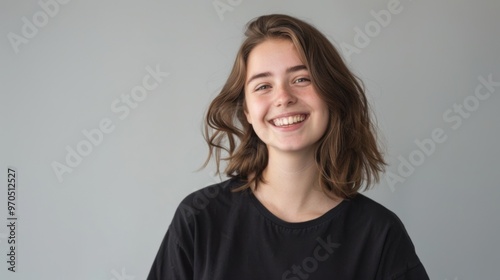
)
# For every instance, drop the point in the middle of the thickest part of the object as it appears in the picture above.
(263, 87)
(301, 80)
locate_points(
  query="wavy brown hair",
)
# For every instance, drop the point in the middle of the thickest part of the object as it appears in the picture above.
(347, 155)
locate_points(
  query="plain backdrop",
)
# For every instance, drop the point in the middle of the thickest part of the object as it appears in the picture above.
(69, 68)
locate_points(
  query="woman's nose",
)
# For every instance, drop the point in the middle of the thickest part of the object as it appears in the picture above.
(284, 96)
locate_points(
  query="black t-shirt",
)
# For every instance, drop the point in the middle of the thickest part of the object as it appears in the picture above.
(222, 235)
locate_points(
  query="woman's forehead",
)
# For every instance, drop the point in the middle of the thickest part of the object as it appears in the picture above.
(273, 55)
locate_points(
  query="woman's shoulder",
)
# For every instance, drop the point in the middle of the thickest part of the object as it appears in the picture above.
(363, 207)
(211, 199)
(385, 231)
(212, 194)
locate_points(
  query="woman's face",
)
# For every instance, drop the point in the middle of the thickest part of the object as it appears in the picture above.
(282, 105)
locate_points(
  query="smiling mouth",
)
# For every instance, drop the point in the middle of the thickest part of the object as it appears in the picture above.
(287, 121)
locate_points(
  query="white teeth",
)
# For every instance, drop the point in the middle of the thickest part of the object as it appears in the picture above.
(289, 120)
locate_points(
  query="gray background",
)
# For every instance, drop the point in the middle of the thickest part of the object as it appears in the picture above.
(106, 219)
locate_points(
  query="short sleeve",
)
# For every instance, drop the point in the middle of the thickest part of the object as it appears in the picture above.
(399, 260)
(416, 273)
(175, 258)
(172, 261)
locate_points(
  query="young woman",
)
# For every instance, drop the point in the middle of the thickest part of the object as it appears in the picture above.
(293, 125)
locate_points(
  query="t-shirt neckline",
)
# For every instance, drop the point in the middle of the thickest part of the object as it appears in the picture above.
(296, 225)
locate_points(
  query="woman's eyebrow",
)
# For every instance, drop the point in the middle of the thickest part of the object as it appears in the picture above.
(260, 75)
(268, 74)
(296, 68)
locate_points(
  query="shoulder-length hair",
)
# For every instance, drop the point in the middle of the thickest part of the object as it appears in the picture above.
(347, 155)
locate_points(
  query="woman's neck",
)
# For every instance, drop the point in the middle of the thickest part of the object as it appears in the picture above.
(291, 175)
(291, 190)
